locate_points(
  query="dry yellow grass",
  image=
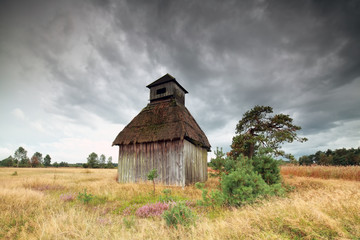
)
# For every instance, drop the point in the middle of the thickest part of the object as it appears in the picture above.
(31, 208)
(326, 172)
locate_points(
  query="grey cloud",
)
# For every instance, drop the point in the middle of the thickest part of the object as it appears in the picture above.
(300, 57)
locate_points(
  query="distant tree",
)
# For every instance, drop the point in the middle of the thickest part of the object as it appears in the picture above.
(36, 159)
(7, 162)
(218, 163)
(55, 164)
(102, 160)
(47, 160)
(63, 164)
(259, 128)
(25, 162)
(93, 160)
(305, 160)
(338, 157)
(294, 161)
(353, 158)
(21, 156)
(109, 163)
(324, 159)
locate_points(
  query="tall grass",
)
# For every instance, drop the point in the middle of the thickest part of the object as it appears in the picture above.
(326, 172)
(32, 208)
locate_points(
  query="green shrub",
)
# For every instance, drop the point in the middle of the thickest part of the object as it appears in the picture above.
(267, 167)
(243, 185)
(214, 198)
(85, 197)
(179, 214)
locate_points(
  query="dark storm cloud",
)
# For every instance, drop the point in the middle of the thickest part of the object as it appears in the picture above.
(300, 57)
(262, 52)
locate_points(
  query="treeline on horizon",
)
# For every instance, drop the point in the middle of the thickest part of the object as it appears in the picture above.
(338, 157)
(20, 159)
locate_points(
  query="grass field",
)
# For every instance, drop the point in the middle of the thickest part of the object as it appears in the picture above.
(326, 172)
(41, 204)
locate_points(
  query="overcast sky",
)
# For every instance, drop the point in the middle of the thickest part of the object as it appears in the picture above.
(74, 73)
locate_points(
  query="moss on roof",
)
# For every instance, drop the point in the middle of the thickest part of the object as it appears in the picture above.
(161, 121)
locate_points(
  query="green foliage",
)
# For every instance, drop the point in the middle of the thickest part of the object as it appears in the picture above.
(167, 196)
(243, 180)
(218, 162)
(85, 197)
(338, 157)
(93, 160)
(205, 199)
(109, 163)
(243, 185)
(259, 128)
(267, 167)
(305, 160)
(20, 159)
(129, 222)
(21, 156)
(25, 162)
(63, 164)
(8, 162)
(102, 160)
(152, 175)
(36, 160)
(179, 214)
(47, 160)
(214, 198)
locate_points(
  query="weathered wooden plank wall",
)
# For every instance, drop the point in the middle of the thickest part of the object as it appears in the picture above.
(195, 162)
(136, 160)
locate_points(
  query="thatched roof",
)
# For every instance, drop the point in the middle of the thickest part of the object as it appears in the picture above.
(165, 120)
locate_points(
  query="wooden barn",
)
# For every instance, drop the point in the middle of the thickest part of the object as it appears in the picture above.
(164, 136)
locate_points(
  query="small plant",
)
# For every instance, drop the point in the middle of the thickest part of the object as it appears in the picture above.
(152, 210)
(167, 196)
(205, 200)
(216, 197)
(14, 173)
(85, 197)
(179, 214)
(129, 222)
(217, 164)
(67, 197)
(152, 175)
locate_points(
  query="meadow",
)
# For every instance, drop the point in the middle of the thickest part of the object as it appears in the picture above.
(43, 203)
(326, 172)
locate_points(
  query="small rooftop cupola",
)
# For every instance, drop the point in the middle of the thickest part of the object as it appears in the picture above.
(166, 87)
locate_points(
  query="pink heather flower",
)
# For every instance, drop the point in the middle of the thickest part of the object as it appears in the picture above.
(152, 210)
(127, 211)
(104, 221)
(67, 197)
